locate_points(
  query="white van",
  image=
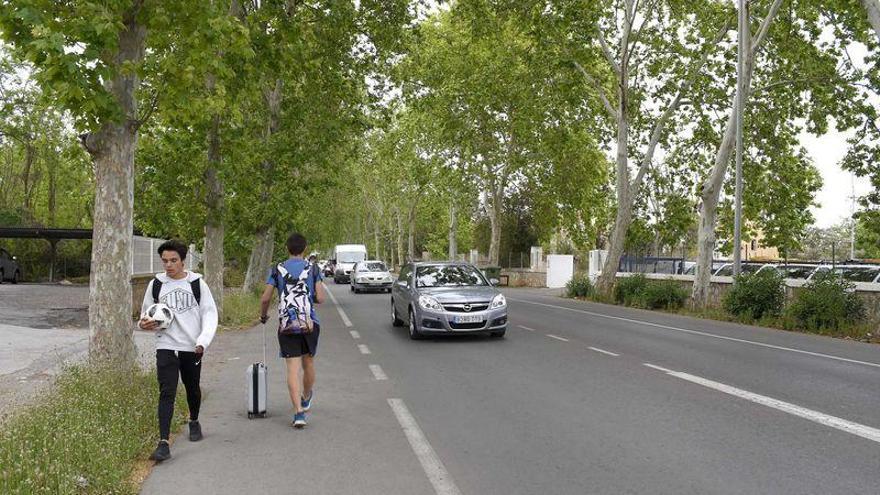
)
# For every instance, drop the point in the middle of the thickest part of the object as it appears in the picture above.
(345, 256)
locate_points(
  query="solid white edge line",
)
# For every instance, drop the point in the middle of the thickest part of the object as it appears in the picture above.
(603, 351)
(841, 424)
(526, 328)
(437, 474)
(652, 366)
(696, 332)
(557, 337)
(355, 334)
(364, 349)
(378, 374)
(342, 314)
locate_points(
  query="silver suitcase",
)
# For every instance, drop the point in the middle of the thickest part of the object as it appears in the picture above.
(255, 376)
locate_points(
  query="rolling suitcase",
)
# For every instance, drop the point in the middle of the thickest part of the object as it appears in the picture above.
(255, 376)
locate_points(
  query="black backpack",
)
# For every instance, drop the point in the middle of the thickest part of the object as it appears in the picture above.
(194, 285)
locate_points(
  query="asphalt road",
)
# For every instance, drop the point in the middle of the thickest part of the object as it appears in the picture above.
(542, 412)
(578, 398)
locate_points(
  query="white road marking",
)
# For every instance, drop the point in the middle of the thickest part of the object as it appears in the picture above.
(649, 365)
(378, 374)
(526, 328)
(704, 334)
(364, 349)
(857, 429)
(603, 351)
(557, 338)
(355, 334)
(342, 314)
(439, 477)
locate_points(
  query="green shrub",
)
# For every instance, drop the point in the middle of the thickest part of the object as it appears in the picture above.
(756, 295)
(579, 286)
(827, 303)
(662, 294)
(86, 437)
(628, 290)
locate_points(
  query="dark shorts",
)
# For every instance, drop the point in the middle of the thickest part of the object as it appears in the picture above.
(296, 345)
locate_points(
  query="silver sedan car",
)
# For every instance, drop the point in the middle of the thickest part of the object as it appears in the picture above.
(447, 298)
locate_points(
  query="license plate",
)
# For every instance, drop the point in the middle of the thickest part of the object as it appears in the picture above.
(469, 319)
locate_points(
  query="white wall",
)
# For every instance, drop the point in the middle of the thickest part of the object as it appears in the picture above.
(560, 269)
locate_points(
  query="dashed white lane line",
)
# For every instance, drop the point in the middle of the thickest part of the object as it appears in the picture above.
(704, 334)
(355, 334)
(857, 429)
(603, 351)
(527, 328)
(364, 349)
(557, 337)
(439, 477)
(378, 374)
(342, 314)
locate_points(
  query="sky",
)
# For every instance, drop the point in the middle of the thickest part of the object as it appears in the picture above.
(834, 200)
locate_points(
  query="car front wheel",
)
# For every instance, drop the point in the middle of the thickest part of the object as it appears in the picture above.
(16, 278)
(395, 320)
(414, 332)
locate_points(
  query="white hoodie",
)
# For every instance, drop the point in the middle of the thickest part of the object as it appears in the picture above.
(194, 323)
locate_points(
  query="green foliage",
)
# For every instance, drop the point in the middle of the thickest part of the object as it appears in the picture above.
(86, 436)
(638, 291)
(629, 290)
(579, 286)
(662, 294)
(755, 296)
(827, 303)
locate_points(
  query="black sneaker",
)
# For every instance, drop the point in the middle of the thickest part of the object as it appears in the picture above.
(195, 431)
(162, 452)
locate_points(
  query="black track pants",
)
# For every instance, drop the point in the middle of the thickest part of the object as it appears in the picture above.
(170, 364)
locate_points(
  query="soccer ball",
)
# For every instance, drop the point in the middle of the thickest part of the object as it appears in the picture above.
(162, 314)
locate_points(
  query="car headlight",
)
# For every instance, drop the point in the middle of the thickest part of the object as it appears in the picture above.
(361, 280)
(498, 302)
(428, 302)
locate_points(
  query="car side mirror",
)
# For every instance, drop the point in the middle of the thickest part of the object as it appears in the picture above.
(494, 281)
(403, 283)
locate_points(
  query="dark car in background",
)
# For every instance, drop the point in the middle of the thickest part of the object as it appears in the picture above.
(446, 299)
(9, 269)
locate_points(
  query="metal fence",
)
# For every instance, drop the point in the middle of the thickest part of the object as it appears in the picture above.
(146, 261)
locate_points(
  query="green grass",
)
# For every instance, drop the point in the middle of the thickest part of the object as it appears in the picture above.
(240, 309)
(87, 436)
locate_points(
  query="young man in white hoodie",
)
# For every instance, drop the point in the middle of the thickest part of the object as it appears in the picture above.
(181, 347)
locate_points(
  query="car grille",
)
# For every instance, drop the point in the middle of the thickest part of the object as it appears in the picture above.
(459, 308)
(467, 326)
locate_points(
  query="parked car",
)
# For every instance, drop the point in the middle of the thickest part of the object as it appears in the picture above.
(9, 269)
(858, 273)
(370, 276)
(447, 298)
(796, 270)
(727, 269)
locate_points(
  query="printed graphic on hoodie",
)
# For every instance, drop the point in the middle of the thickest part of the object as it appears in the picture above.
(179, 300)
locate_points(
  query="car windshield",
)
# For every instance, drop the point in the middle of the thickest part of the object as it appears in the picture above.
(350, 256)
(448, 276)
(858, 273)
(372, 267)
